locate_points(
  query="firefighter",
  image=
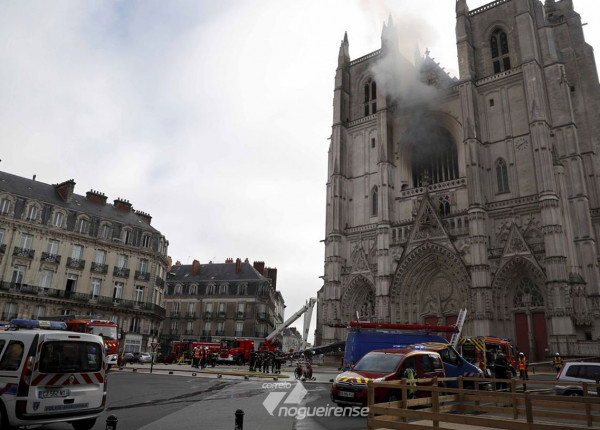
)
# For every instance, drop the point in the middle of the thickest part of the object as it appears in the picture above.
(558, 362)
(409, 374)
(523, 364)
(196, 358)
(252, 361)
(266, 362)
(203, 354)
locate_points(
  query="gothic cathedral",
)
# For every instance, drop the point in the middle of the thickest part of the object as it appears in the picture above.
(479, 192)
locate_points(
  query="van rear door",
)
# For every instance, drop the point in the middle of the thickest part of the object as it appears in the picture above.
(68, 374)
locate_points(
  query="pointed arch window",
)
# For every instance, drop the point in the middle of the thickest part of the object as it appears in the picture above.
(499, 49)
(528, 295)
(374, 200)
(370, 97)
(502, 176)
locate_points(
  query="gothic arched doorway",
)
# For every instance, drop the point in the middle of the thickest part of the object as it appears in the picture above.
(430, 286)
(359, 298)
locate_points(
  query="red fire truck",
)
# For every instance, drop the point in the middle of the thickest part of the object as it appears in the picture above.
(228, 350)
(108, 330)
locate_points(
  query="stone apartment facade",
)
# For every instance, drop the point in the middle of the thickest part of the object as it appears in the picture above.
(217, 301)
(479, 192)
(66, 254)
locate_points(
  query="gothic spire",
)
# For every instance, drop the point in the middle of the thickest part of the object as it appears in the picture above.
(344, 55)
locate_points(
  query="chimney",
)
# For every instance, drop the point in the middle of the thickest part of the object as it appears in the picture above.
(96, 197)
(246, 260)
(169, 263)
(271, 273)
(238, 265)
(229, 260)
(195, 267)
(65, 190)
(123, 205)
(34, 177)
(260, 267)
(144, 216)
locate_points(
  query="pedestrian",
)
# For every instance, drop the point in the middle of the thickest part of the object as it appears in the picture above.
(558, 362)
(501, 368)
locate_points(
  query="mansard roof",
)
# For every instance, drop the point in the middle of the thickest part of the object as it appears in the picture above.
(215, 272)
(46, 193)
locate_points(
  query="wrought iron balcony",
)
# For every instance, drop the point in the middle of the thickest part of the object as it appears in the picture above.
(221, 315)
(240, 315)
(189, 332)
(174, 315)
(23, 252)
(142, 276)
(208, 315)
(190, 315)
(3, 248)
(121, 272)
(50, 258)
(74, 263)
(99, 268)
(220, 333)
(83, 298)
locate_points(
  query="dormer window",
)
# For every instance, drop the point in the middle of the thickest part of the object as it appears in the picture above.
(499, 48)
(32, 213)
(370, 93)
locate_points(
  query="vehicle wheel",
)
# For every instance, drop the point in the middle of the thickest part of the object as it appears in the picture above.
(393, 397)
(3, 418)
(84, 424)
(573, 393)
(239, 360)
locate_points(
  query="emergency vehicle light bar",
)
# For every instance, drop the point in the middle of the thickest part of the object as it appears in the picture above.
(24, 323)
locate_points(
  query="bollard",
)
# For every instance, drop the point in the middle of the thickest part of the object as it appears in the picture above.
(239, 420)
(111, 422)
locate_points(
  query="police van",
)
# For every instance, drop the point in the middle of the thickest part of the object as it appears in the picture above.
(50, 375)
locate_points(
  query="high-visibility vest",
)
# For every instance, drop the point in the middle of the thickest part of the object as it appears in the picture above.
(558, 361)
(197, 354)
(522, 363)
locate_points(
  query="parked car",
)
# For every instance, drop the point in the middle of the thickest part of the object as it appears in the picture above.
(145, 357)
(129, 357)
(350, 387)
(577, 372)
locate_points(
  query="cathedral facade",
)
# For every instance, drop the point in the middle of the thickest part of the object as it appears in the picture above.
(479, 192)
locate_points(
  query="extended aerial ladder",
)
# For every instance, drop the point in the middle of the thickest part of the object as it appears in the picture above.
(307, 310)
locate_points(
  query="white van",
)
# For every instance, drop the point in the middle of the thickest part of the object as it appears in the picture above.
(49, 375)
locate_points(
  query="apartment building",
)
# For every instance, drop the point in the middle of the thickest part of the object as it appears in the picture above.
(218, 301)
(63, 253)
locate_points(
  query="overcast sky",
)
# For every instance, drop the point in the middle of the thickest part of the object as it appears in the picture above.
(211, 116)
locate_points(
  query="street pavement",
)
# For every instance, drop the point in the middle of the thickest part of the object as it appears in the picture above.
(321, 374)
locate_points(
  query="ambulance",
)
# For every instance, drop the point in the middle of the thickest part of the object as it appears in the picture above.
(49, 375)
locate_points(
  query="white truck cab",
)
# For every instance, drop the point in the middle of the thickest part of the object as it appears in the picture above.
(49, 375)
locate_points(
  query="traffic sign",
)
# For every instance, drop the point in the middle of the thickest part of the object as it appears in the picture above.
(155, 345)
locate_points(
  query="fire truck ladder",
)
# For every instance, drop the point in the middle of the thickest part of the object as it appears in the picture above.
(459, 325)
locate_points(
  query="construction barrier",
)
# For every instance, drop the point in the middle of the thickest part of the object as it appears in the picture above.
(455, 408)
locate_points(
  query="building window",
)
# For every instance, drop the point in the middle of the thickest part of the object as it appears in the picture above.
(208, 308)
(133, 345)
(4, 206)
(122, 260)
(95, 288)
(372, 142)
(143, 265)
(176, 307)
(207, 328)
(222, 310)
(52, 247)
(32, 213)
(433, 163)
(374, 200)
(18, 275)
(174, 327)
(82, 226)
(26, 241)
(210, 289)
(1, 236)
(193, 290)
(444, 205)
(135, 325)
(65, 312)
(499, 48)
(147, 241)
(242, 289)
(178, 290)
(104, 231)
(139, 294)
(220, 328)
(502, 176)
(39, 311)
(10, 311)
(46, 279)
(241, 310)
(189, 327)
(239, 329)
(370, 93)
(223, 289)
(191, 308)
(100, 256)
(126, 236)
(118, 292)
(77, 252)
